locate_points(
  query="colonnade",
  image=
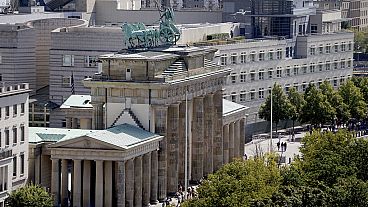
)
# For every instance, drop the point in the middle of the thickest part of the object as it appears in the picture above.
(234, 140)
(132, 182)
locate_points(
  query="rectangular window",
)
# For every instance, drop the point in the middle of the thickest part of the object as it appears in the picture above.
(14, 166)
(320, 67)
(312, 68)
(304, 69)
(15, 135)
(7, 111)
(336, 65)
(343, 47)
(243, 78)
(314, 28)
(252, 76)
(22, 109)
(68, 60)
(242, 97)
(261, 56)
(349, 46)
(279, 55)
(252, 95)
(288, 72)
(233, 97)
(342, 64)
(296, 71)
(328, 49)
(312, 51)
(320, 50)
(252, 57)
(90, 61)
(233, 79)
(261, 93)
(234, 58)
(243, 57)
(270, 74)
(223, 60)
(336, 48)
(66, 81)
(261, 75)
(287, 52)
(349, 63)
(6, 137)
(335, 83)
(15, 109)
(328, 66)
(22, 133)
(22, 164)
(270, 55)
(278, 73)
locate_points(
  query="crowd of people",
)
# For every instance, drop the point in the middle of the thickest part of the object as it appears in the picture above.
(180, 195)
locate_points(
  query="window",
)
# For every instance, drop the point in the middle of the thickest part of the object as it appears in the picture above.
(342, 64)
(22, 109)
(349, 46)
(22, 133)
(312, 51)
(243, 57)
(22, 164)
(261, 75)
(320, 49)
(252, 57)
(243, 77)
(252, 94)
(234, 58)
(328, 66)
(6, 137)
(343, 47)
(349, 63)
(14, 166)
(304, 86)
(336, 48)
(304, 69)
(278, 73)
(66, 81)
(7, 111)
(311, 68)
(90, 61)
(270, 55)
(233, 78)
(261, 56)
(296, 70)
(288, 72)
(328, 49)
(261, 93)
(320, 67)
(279, 54)
(68, 60)
(335, 83)
(314, 28)
(287, 52)
(242, 96)
(223, 59)
(15, 109)
(233, 97)
(15, 135)
(270, 74)
(336, 65)
(252, 75)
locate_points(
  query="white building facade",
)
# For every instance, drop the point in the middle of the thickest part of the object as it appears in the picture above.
(258, 64)
(14, 138)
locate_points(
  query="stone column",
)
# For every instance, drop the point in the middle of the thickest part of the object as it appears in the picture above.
(138, 181)
(55, 180)
(226, 143)
(172, 148)
(86, 183)
(69, 123)
(209, 117)
(231, 141)
(242, 136)
(146, 179)
(237, 139)
(129, 183)
(75, 123)
(37, 166)
(99, 183)
(120, 184)
(64, 182)
(77, 184)
(108, 183)
(160, 128)
(198, 141)
(218, 138)
(181, 149)
(154, 177)
(97, 117)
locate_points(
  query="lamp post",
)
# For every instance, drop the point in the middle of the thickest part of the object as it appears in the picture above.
(186, 145)
(270, 149)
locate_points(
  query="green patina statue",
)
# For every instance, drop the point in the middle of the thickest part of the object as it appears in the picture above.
(138, 36)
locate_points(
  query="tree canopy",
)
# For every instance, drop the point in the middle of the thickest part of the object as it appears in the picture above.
(30, 195)
(331, 172)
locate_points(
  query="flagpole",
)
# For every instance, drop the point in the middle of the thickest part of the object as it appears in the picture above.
(186, 144)
(270, 149)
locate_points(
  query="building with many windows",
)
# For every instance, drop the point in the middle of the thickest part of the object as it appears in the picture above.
(13, 138)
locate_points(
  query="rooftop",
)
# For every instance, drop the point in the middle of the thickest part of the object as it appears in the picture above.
(229, 107)
(41, 134)
(77, 101)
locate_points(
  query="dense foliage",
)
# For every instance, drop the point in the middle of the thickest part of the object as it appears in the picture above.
(30, 195)
(332, 172)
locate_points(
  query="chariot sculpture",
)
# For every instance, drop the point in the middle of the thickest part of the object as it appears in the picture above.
(139, 36)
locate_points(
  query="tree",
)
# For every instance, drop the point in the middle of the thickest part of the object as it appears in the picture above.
(30, 195)
(317, 109)
(239, 183)
(362, 84)
(360, 39)
(353, 98)
(297, 101)
(280, 106)
(336, 101)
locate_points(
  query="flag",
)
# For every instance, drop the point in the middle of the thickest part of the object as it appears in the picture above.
(72, 83)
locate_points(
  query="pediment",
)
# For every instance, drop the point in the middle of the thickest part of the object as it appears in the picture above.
(85, 143)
